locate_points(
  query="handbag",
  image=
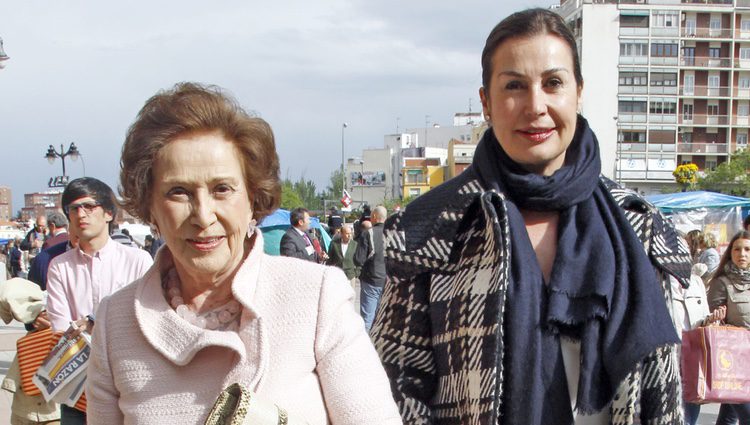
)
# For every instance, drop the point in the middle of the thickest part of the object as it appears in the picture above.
(714, 360)
(236, 405)
(32, 349)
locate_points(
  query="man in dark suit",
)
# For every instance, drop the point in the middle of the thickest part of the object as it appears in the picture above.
(295, 242)
(341, 253)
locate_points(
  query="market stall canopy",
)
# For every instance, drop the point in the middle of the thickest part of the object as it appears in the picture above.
(682, 201)
(709, 212)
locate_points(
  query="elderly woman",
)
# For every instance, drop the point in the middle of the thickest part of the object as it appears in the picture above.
(529, 289)
(214, 309)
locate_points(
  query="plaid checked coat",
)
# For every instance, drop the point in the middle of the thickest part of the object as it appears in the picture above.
(439, 328)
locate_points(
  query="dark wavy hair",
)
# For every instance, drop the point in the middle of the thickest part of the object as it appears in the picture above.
(727, 257)
(190, 108)
(527, 23)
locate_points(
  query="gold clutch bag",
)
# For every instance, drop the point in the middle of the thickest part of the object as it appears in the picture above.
(238, 406)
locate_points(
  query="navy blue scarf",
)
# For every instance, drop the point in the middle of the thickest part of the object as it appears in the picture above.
(603, 289)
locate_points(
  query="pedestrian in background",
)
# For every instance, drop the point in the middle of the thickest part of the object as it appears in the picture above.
(341, 253)
(729, 294)
(370, 258)
(296, 241)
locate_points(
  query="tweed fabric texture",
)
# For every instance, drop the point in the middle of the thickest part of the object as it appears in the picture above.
(439, 330)
(300, 345)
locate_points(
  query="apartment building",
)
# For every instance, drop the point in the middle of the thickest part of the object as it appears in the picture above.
(667, 82)
(6, 203)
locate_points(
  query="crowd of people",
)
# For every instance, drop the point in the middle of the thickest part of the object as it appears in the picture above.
(526, 290)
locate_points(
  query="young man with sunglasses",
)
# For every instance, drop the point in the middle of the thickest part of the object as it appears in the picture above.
(80, 278)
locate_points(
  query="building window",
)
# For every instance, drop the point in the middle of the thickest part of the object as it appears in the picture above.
(664, 50)
(414, 177)
(745, 25)
(710, 163)
(744, 83)
(663, 107)
(687, 111)
(745, 53)
(633, 136)
(741, 140)
(414, 191)
(743, 109)
(630, 21)
(634, 49)
(687, 137)
(631, 106)
(665, 19)
(633, 78)
(712, 110)
(714, 52)
(663, 79)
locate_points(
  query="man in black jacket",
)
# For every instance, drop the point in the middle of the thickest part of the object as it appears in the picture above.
(370, 256)
(295, 242)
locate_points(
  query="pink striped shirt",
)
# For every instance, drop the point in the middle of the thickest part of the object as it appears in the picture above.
(77, 282)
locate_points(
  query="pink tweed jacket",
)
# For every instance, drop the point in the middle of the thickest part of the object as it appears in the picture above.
(300, 345)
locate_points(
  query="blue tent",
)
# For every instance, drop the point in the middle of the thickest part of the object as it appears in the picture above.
(706, 211)
(683, 201)
(274, 226)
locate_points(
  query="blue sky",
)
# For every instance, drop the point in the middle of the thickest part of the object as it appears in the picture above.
(80, 71)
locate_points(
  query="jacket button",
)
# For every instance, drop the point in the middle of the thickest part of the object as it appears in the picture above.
(699, 301)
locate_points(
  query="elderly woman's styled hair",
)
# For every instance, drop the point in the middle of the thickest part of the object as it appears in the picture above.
(190, 108)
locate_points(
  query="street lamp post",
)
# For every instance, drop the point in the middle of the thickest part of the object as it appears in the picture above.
(72, 152)
(3, 56)
(343, 174)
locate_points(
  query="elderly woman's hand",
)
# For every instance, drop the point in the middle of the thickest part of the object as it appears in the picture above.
(80, 325)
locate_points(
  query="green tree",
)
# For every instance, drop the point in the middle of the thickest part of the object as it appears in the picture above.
(290, 199)
(308, 193)
(729, 177)
(334, 189)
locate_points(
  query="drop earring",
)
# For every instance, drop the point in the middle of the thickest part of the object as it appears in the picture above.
(251, 228)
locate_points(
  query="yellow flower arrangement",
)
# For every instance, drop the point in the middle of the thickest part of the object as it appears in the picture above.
(686, 174)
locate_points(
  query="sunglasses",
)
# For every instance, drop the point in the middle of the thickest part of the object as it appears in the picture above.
(89, 207)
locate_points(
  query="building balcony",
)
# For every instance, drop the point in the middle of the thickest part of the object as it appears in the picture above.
(743, 93)
(709, 2)
(704, 91)
(742, 35)
(702, 148)
(662, 89)
(706, 62)
(704, 119)
(632, 89)
(663, 60)
(630, 31)
(742, 63)
(741, 120)
(662, 118)
(629, 117)
(632, 147)
(633, 60)
(661, 147)
(706, 32)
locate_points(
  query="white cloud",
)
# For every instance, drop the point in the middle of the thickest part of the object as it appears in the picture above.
(79, 71)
